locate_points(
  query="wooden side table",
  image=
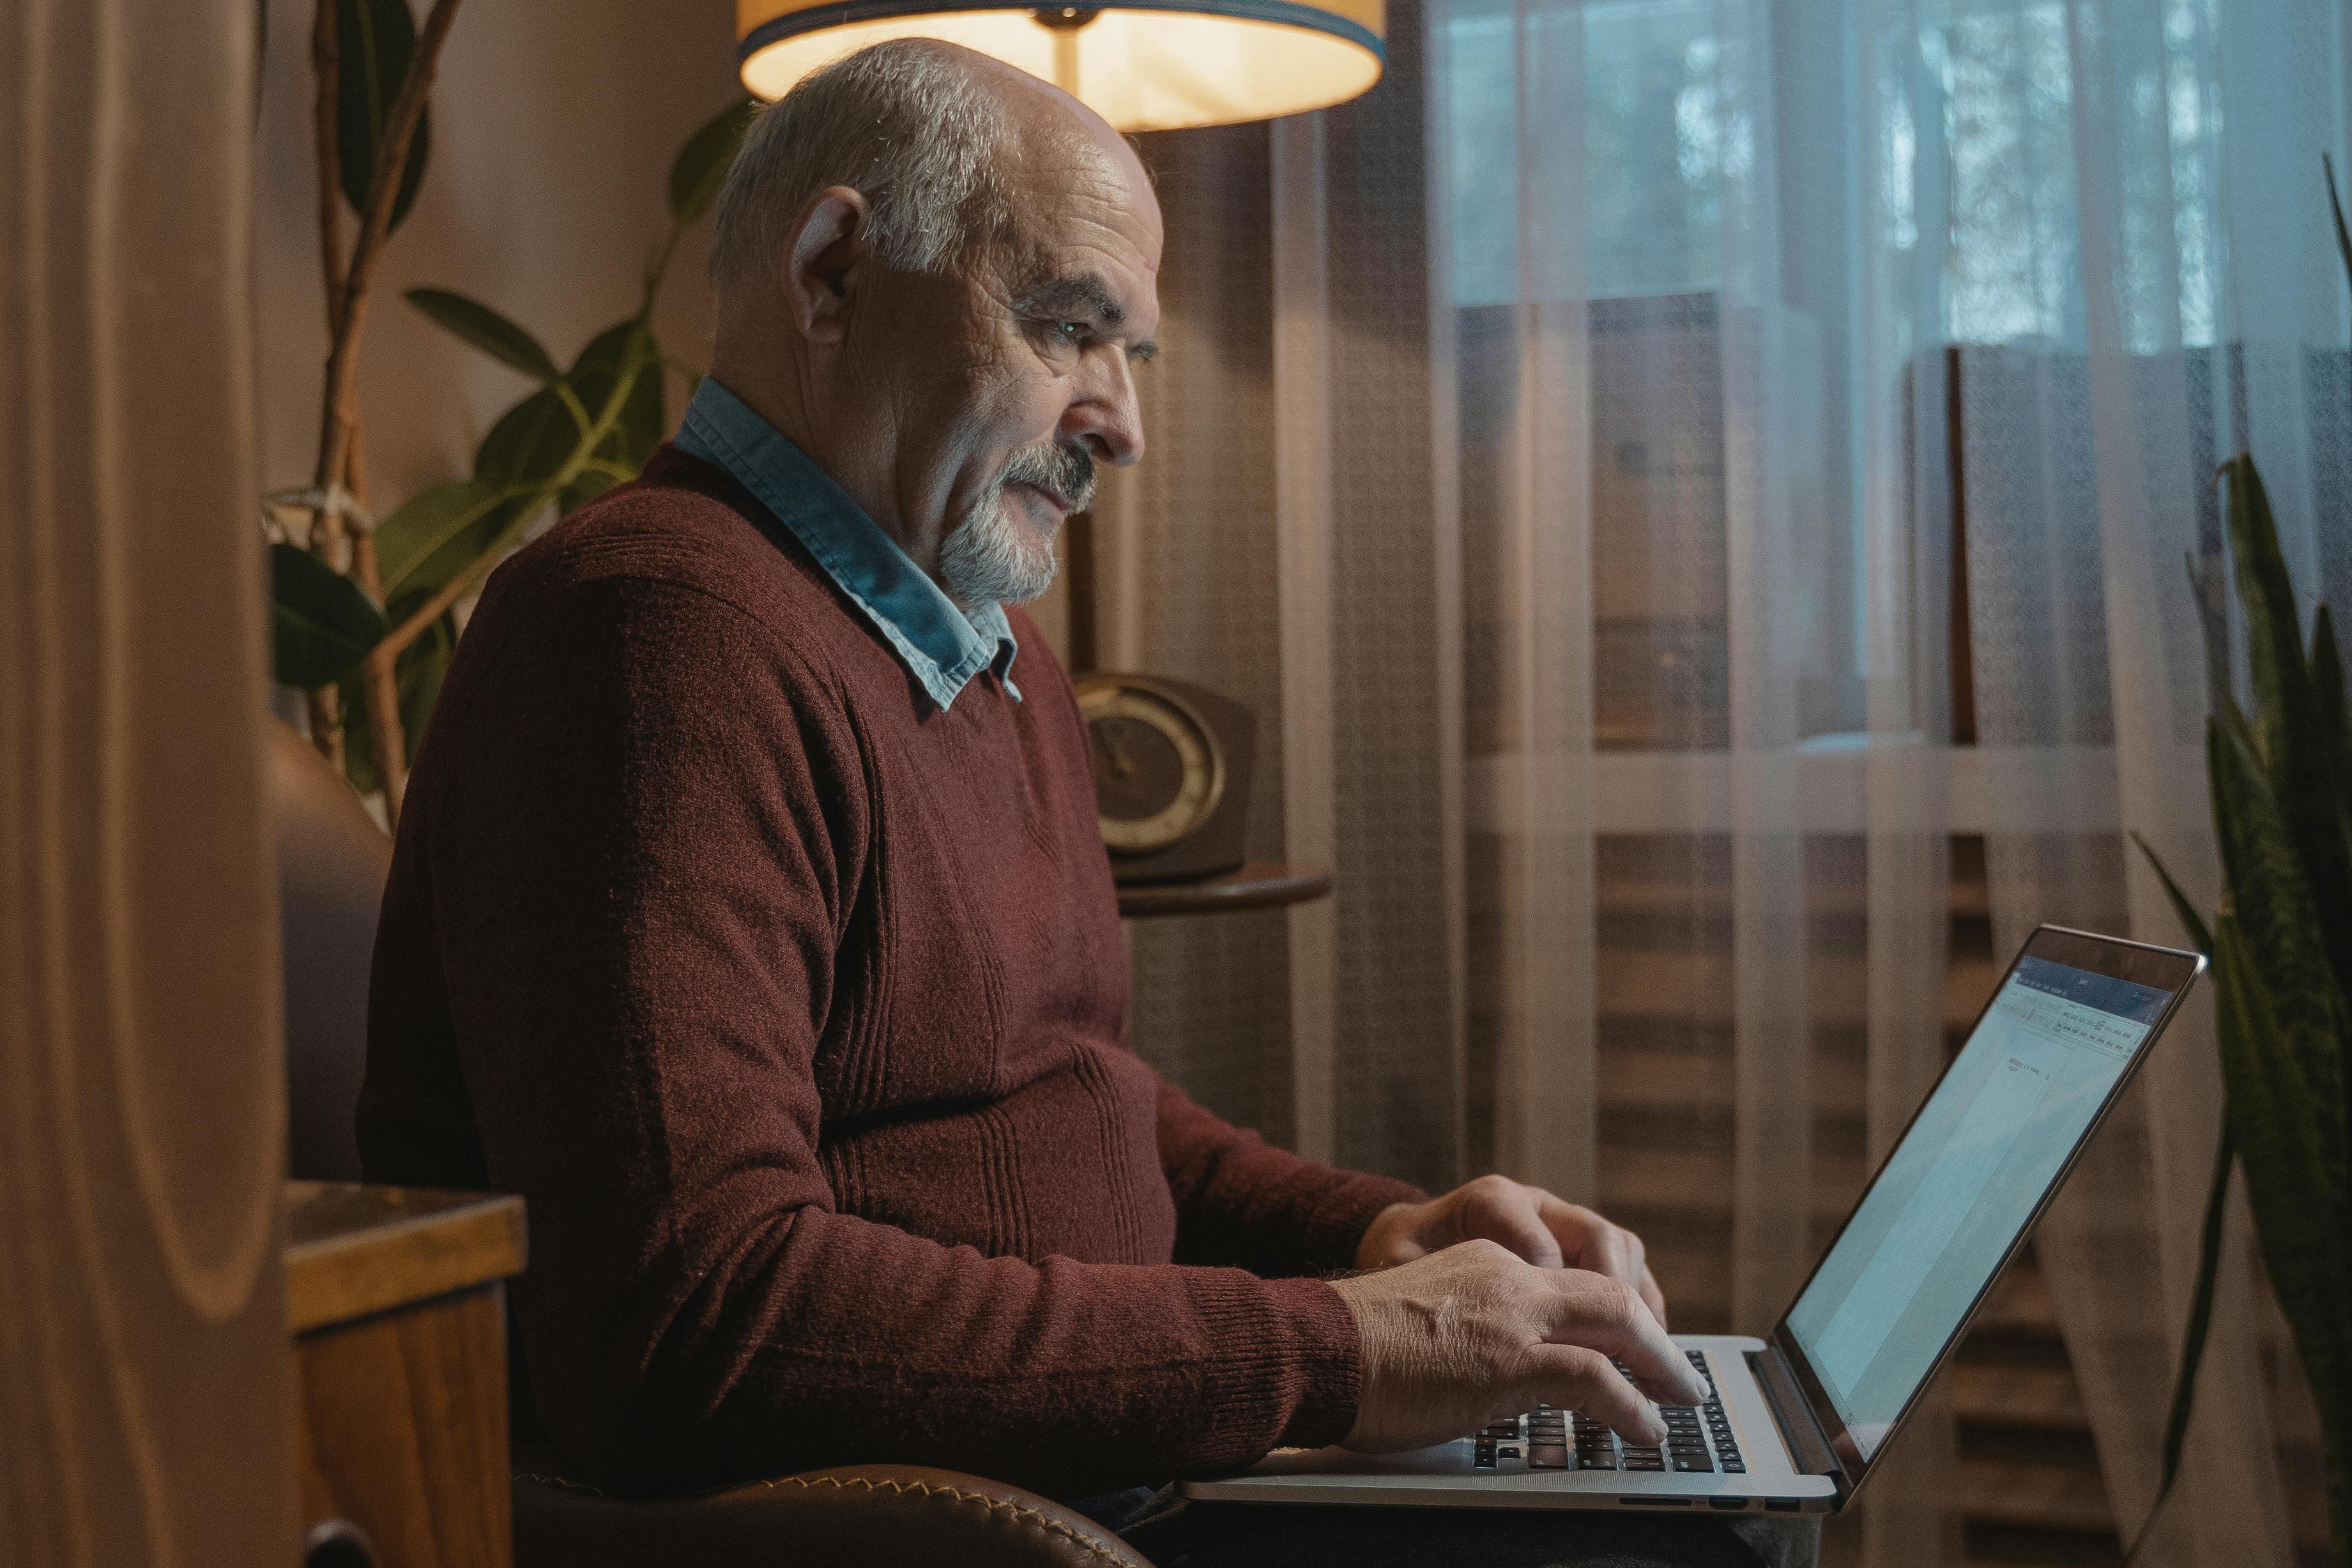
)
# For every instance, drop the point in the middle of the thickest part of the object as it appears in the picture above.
(395, 1300)
(1257, 885)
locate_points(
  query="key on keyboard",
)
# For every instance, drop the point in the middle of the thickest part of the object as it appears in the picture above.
(1698, 1439)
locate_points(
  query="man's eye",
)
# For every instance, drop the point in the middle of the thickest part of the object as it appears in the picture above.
(1070, 331)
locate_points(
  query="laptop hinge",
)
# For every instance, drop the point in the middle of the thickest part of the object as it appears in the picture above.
(1799, 1431)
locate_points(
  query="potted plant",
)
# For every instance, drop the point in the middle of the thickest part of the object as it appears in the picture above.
(362, 615)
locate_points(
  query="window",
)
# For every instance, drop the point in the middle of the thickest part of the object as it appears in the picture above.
(1662, 125)
(1665, 133)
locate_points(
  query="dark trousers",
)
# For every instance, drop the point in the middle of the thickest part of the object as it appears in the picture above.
(1177, 1533)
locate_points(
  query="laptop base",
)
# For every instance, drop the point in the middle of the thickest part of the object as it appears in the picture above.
(1447, 1474)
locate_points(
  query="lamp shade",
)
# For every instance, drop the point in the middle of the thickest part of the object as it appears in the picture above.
(1143, 65)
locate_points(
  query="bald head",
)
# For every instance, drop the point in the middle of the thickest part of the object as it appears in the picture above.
(939, 139)
(935, 275)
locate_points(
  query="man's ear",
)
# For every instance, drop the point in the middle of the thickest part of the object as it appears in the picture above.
(826, 261)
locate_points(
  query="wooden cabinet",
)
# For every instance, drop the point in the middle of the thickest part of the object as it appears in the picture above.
(397, 1307)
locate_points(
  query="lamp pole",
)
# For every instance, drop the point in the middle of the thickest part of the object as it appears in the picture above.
(1066, 23)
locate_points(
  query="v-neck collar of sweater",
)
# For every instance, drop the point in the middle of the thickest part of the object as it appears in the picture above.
(941, 645)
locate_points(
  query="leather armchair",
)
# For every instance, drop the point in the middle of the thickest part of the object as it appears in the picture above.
(332, 860)
(877, 1514)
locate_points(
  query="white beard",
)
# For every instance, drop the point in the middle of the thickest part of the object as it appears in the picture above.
(996, 557)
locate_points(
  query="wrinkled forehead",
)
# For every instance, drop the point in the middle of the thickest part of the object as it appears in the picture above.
(1081, 206)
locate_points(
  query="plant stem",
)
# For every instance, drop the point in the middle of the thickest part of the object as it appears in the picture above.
(347, 299)
(328, 528)
(326, 65)
(379, 672)
(408, 631)
(340, 416)
(325, 704)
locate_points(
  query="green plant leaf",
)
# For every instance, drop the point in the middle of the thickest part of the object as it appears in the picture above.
(2342, 248)
(2327, 694)
(627, 349)
(373, 41)
(2284, 1027)
(2274, 623)
(425, 522)
(2336, 745)
(2209, 1257)
(485, 533)
(2190, 921)
(2295, 1165)
(2201, 1319)
(486, 330)
(2343, 235)
(535, 445)
(2297, 1056)
(320, 624)
(2270, 898)
(531, 443)
(701, 165)
(2208, 588)
(2297, 742)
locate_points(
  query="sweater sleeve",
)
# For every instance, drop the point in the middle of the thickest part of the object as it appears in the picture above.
(1243, 1202)
(644, 857)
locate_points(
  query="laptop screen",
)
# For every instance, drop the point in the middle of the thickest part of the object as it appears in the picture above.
(1963, 1184)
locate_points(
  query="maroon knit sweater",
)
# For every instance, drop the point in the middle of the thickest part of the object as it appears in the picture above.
(794, 1006)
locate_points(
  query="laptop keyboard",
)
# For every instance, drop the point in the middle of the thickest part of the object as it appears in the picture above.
(1698, 1439)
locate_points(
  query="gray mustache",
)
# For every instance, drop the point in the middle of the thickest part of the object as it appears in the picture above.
(1065, 470)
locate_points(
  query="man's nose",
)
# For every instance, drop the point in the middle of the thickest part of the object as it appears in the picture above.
(1107, 418)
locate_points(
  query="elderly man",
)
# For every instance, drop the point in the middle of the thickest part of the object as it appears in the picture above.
(749, 918)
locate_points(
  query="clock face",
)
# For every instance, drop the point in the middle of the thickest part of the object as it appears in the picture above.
(1159, 773)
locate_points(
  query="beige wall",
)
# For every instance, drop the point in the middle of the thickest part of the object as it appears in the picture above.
(554, 126)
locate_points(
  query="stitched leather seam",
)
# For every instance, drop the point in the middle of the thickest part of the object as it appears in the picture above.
(1042, 1520)
(994, 1505)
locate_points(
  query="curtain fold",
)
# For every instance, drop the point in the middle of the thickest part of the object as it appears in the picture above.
(1303, 396)
(1694, 491)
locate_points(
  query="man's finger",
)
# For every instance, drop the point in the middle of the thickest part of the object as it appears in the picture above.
(1572, 1378)
(1645, 1282)
(1587, 1240)
(1652, 1297)
(1613, 1318)
(1513, 1219)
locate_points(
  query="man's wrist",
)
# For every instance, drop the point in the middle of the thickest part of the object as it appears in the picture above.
(1331, 1357)
(1332, 1236)
(1374, 1247)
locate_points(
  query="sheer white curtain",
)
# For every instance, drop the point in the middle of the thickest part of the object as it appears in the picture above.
(2141, 262)
(1568, 449)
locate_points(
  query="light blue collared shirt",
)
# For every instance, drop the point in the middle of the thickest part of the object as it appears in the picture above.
(942, 647)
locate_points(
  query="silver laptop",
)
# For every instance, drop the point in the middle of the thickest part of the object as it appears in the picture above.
(1798, 1420)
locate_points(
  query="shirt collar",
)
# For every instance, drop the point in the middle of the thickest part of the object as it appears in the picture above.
(941, 646)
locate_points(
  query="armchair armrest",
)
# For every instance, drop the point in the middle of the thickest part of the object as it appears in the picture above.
(884, 1515)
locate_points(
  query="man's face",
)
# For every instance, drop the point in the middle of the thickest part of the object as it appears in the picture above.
(1010, 380)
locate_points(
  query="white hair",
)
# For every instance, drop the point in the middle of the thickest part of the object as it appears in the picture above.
(907, 126)
(990, 559)
(991, 556)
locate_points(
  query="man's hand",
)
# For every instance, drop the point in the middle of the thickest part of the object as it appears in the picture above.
(1472, 1333)
(1545, 1231)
